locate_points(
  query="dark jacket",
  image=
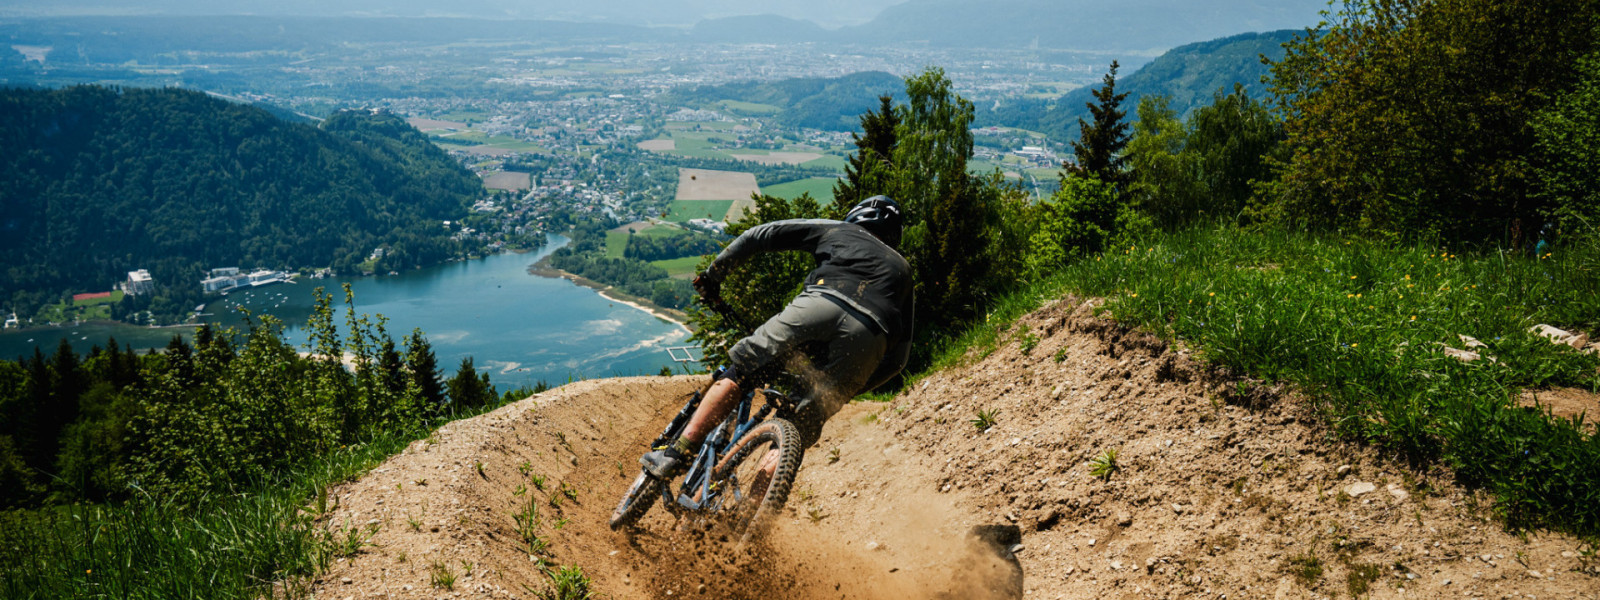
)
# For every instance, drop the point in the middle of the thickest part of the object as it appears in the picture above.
(852, 266)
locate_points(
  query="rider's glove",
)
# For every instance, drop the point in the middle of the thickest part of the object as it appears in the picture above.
(709, 287)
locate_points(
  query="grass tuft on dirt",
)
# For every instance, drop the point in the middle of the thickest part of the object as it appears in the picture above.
(1363, 327)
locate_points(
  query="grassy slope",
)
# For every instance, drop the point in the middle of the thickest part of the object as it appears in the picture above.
(1358, 326)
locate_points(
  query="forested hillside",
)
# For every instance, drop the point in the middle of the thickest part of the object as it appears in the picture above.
(1188, 76)
(97, 181)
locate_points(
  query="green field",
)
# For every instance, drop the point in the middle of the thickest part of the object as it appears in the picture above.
(88, 310)
(679, 267)
(827, 162)
(750, 108)
(616, 242)
(661, 231)
(699, 126)
(683, 210)
(820, 188)
(463, 115)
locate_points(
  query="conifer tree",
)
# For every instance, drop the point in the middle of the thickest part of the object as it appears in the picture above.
(874, 147)
(424, 369)
(469, 389)
(1098, 151)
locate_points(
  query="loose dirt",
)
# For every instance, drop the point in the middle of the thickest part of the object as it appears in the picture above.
(1222, 488)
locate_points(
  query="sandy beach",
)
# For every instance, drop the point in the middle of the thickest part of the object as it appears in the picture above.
(541, 269)
(657, 313)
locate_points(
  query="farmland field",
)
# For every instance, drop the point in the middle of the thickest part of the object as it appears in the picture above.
(435, 125)
(683, 210)
(615, 244)
(820, 188)
(679, 267)
(704, 184)
(827, 162)
(750, 108)
(657, 145)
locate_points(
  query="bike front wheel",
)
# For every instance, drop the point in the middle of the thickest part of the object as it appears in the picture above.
(755, 476)
(636, 501)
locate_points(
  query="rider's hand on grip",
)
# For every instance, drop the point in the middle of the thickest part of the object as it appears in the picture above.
(709, 287)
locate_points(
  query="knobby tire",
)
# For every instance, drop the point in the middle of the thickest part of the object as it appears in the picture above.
(749, 522)
(636, 501)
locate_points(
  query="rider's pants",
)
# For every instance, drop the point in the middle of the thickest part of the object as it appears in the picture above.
(854, 351)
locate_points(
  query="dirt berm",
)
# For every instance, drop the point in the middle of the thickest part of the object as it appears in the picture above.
(1222, 489)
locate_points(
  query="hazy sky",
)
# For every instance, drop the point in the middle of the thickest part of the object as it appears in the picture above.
(830, 13)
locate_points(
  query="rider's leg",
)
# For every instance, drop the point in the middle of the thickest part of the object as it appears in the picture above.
(808, 317)
(714, 407)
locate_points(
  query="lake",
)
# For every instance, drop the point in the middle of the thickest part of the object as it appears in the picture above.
(518, 327)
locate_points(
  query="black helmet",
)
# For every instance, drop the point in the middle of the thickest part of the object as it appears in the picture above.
(879, 215)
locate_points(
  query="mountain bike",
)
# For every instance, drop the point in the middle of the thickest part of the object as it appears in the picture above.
(725, 481)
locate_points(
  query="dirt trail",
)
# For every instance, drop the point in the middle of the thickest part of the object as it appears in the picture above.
(1224, 490)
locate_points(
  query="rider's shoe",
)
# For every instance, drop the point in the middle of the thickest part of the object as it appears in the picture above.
(668, 462)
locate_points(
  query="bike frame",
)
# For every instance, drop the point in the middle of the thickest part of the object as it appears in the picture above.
(697, 481)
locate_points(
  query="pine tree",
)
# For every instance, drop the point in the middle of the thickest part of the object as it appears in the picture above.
(874, 146)
(469, 389)
(424, 369)
(1098, 151)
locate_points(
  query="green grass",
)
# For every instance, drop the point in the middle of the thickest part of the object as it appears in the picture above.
(826, 162)
(263, 541)
(679, 266)
(683, 210)
(98, 309)
(1358, 325)
(750, 108)
(662, 231)
(228, 547)
(820, 188)
(616, 243)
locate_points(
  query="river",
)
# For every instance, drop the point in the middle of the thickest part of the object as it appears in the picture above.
(519, 327)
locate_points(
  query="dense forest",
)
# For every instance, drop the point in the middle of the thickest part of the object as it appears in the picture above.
(96, 182)
(230, 410)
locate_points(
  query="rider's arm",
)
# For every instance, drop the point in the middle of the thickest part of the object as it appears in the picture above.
(778, 236)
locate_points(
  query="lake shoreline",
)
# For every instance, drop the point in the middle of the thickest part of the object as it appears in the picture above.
(676, 317)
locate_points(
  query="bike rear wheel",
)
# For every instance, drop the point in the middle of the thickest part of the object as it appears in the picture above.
(636, 501)
(754, 500)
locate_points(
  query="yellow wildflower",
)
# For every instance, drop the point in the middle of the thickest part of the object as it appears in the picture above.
(1413, 317)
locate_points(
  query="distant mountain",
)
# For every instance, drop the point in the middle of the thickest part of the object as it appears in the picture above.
(1190, 75)
(97, 181)
(758, 29)
(631, 12)
(1126, 25)
(165, 39)
(829, 103)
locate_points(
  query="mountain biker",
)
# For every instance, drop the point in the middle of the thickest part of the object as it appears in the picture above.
(858, 302)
